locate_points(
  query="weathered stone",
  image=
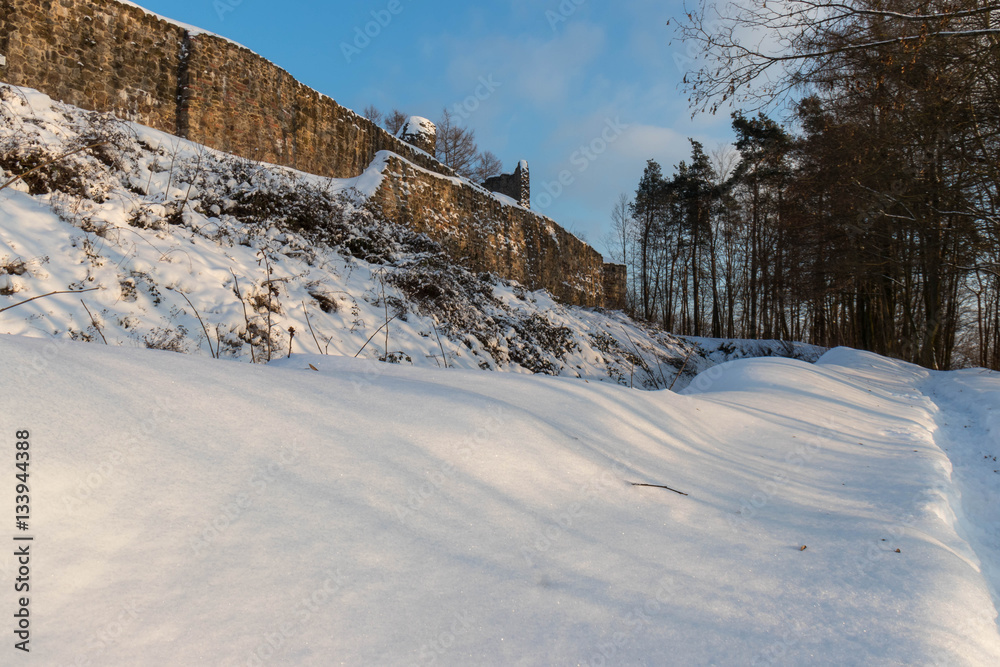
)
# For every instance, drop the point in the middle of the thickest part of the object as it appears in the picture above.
(517, 186)
(107, 56)
(420, 133)
(488, 235)
(615, 286)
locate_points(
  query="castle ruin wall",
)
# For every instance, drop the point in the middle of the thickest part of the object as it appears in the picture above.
(107, 56)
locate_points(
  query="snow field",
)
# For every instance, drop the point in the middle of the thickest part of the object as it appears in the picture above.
(192, 511)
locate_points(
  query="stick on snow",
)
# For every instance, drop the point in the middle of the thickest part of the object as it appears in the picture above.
(42, 296)
(658, 486)
(676, 377)
(93, 321)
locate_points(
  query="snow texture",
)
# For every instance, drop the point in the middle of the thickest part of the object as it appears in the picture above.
(417, 126)
(191, 511)
(325, 509)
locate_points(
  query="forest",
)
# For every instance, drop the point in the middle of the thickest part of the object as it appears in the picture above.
(859, 206)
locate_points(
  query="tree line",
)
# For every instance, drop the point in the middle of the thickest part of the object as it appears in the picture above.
(867, 217)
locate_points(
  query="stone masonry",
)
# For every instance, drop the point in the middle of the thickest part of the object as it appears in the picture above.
(106, 56)
(419, 132)
(517, 186)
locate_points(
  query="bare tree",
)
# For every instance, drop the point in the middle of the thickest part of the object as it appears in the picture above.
(622, 233)
(372, 113)
(395, 121)
(456, 145)
(755, 52)
(487, 166)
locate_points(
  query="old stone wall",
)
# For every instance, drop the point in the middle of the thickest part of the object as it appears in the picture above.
(487, 235)
(616, 286)
(106, 56)
(236, 101)
(96, 54)
(516, 186)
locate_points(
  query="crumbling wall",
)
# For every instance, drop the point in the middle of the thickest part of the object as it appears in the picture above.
(517, 186)
(616, 286)
(238, 102)
(107, 56)
(96, 54)
(487, 235)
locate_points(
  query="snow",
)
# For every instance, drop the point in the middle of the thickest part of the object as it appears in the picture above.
(326, 509)
(504, 199)
(194, 31)
(162, 237)
(417, 126)
(194, 511)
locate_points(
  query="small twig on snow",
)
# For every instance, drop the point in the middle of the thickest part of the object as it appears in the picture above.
(375, 334)
(93, 321)
(443, 357)
(676, 377)
(203, 327)
(42, 296)
(308, 322)
(658, 486)
(246, 318)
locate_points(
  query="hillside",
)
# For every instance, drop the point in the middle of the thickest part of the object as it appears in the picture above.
(263, 498)
(195, 251)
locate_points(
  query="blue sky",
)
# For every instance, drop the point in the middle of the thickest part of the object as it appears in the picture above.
(585, 90)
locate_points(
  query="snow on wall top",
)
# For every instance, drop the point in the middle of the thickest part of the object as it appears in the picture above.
(191, 29)
(420, 133)
(417, 125)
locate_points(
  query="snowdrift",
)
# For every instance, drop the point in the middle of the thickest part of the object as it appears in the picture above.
(325, 510)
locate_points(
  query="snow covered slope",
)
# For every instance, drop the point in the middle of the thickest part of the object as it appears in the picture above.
(195, 251)
(188, 511)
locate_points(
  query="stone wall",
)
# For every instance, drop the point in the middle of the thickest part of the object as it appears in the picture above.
(616, 286)
(106, 56)
(238, 102)
(420, 132)
(487, 235)
(95, 54)
(517, 186)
